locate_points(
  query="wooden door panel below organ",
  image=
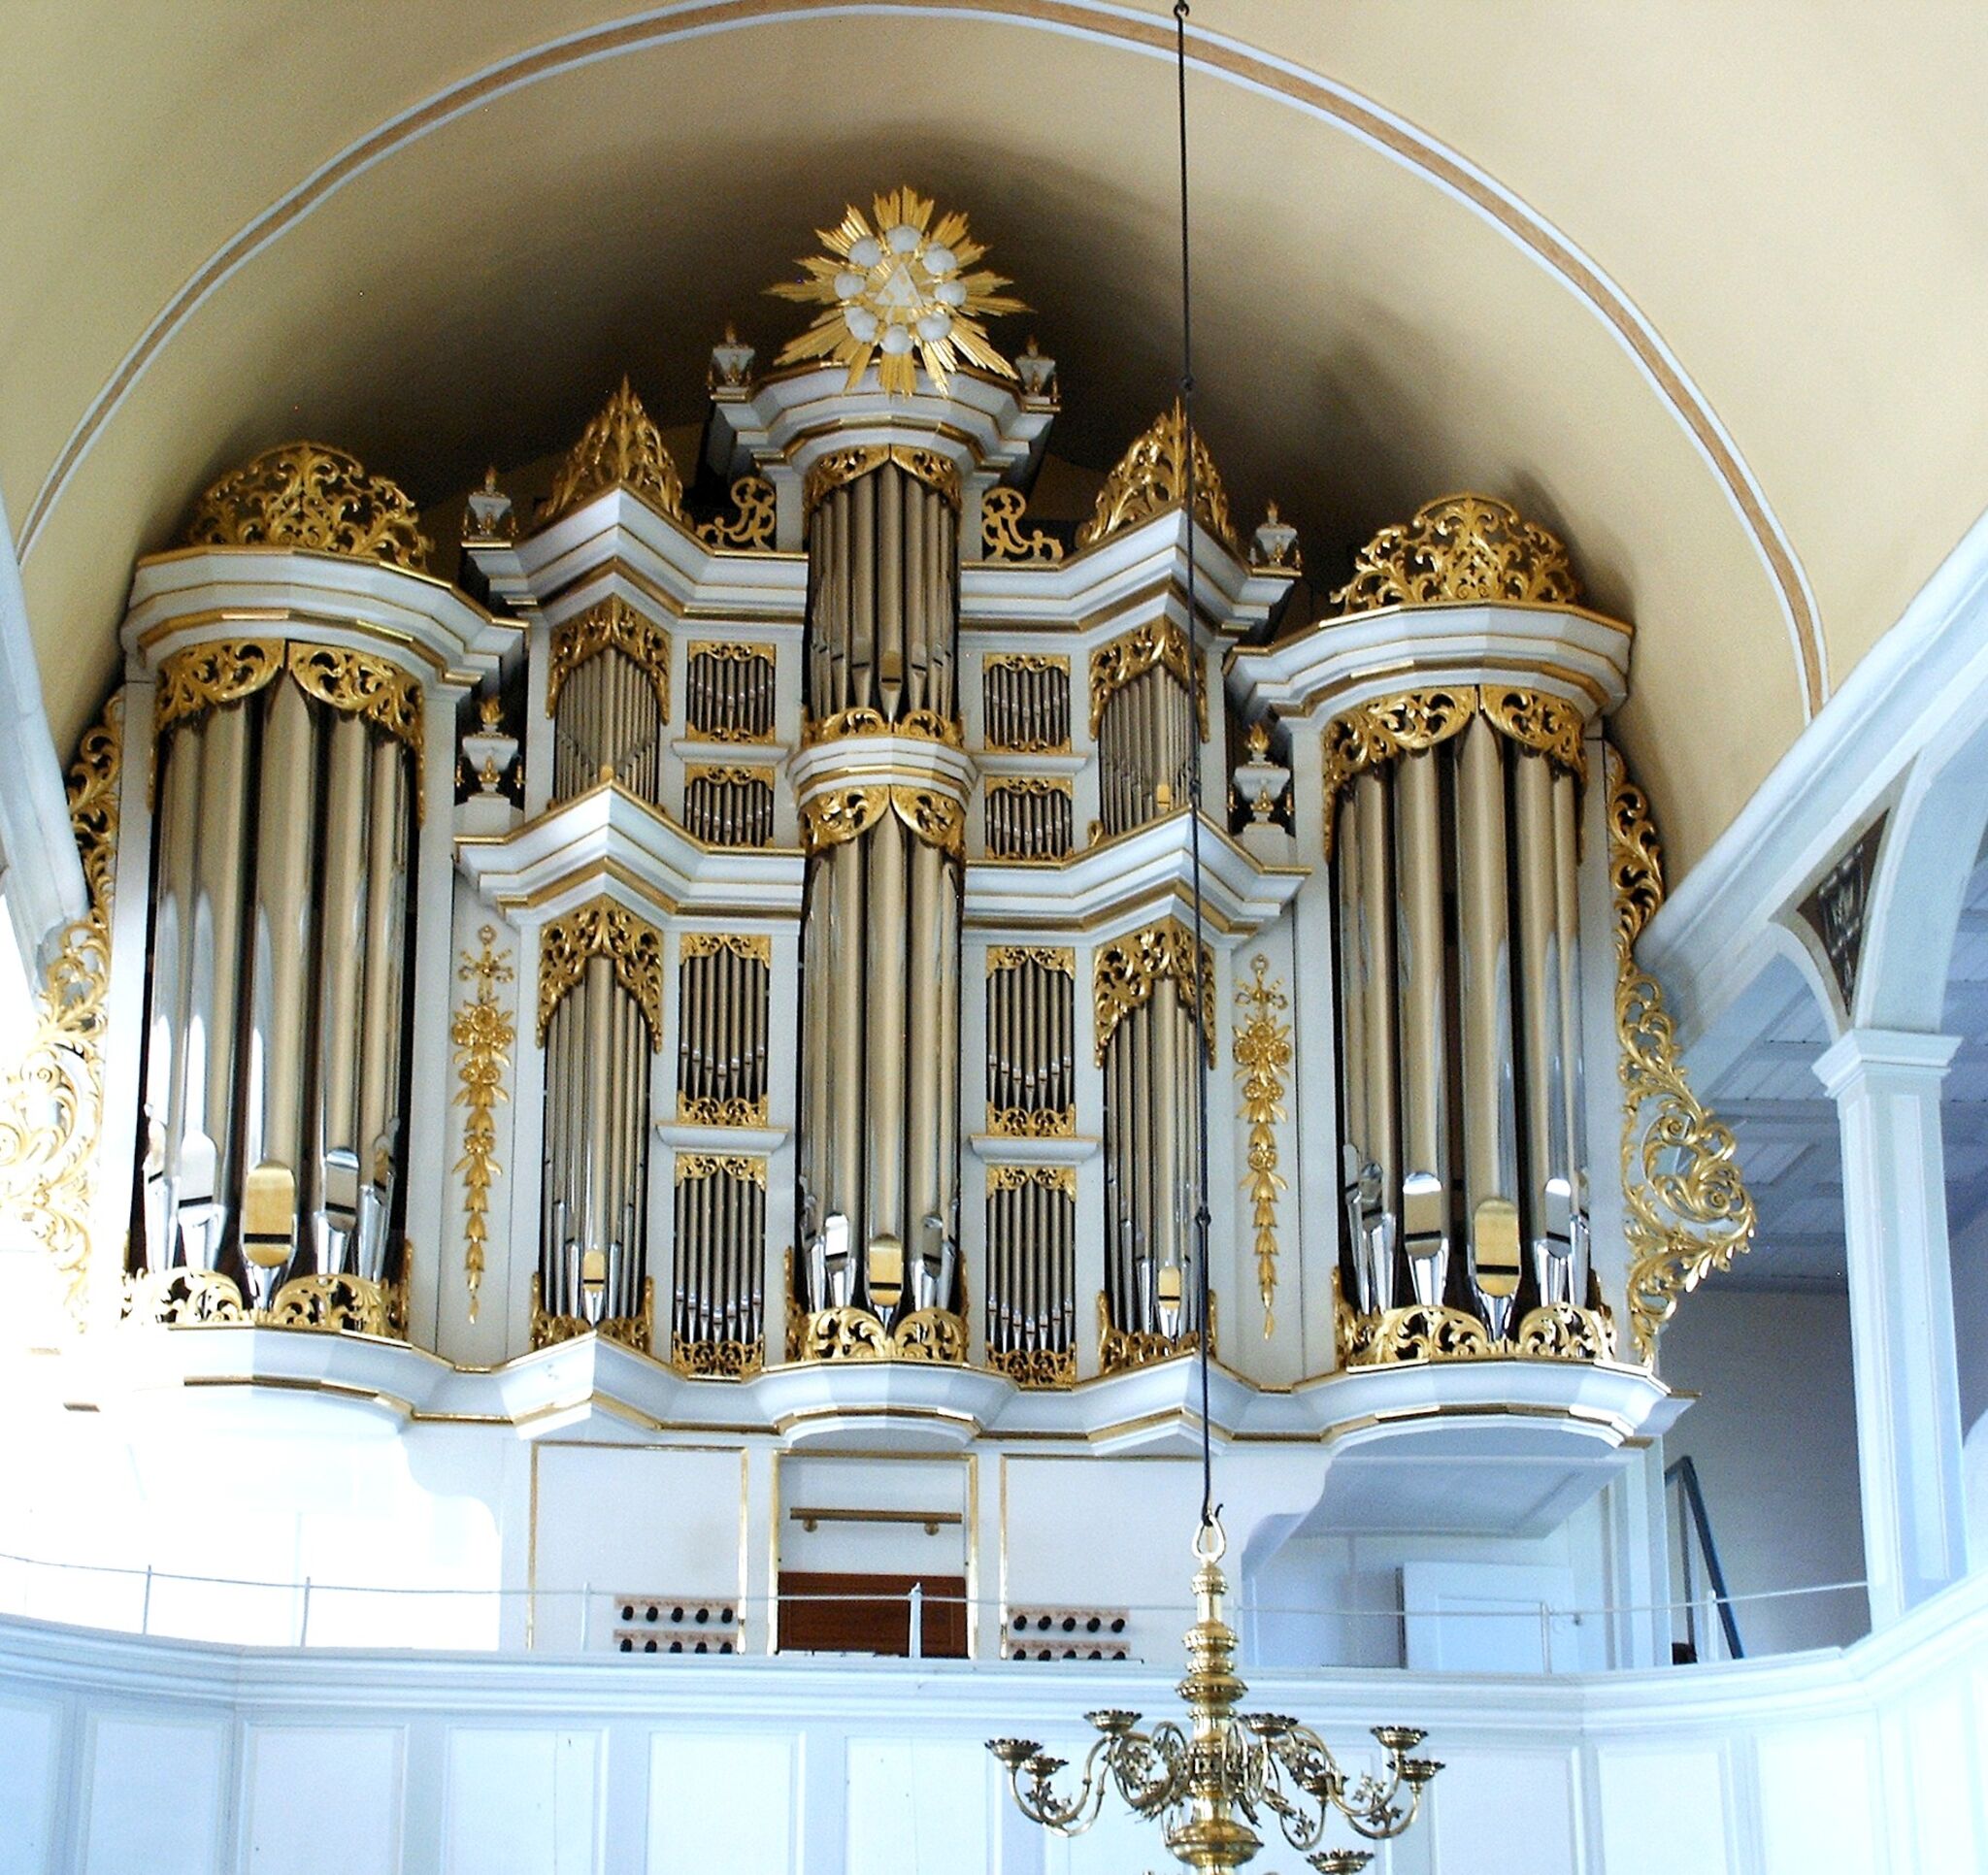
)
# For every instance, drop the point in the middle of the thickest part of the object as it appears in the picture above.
(834, 1613)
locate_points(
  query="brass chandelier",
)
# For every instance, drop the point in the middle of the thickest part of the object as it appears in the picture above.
(1211, 1783)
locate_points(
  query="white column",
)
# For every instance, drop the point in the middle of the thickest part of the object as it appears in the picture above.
(1886, 1084)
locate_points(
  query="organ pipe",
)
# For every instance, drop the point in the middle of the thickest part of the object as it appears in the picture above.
(879, 1143)
(1457, 902)
(272, 1078)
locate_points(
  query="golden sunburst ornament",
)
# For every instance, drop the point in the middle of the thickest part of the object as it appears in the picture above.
(900, 289)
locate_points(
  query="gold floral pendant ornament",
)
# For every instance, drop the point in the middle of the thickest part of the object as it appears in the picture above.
(900, 289)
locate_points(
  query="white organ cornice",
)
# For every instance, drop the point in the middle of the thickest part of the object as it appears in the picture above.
(1121, 884)
(617, 542)
(196, 595)
(1326, 667)
(1136, 573)
(985, 426)
(1559, 1429)
(606, 841)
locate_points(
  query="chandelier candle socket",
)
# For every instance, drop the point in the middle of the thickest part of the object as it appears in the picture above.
(900, 289)
(1211, 1783)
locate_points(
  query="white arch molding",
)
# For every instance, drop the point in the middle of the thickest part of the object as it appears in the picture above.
(1212, 54)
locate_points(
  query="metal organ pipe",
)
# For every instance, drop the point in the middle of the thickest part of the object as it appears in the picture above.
(273, 1031)
(1465, 848)
(880, 1028)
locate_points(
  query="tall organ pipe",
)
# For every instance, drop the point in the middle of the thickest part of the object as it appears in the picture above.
(1423, 1001)
(275, 1004)
(880, 1028)
(1468, 850)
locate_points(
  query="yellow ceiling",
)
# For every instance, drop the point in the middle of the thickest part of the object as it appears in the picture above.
(1697, 286)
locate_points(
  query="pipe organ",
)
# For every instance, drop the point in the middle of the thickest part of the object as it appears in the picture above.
(857, 1010)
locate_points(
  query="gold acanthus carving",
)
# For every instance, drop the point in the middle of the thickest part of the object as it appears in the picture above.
(724, 775)
(601, 928)
(482, 1032)
(707, 1110)
(1032, 1122)
(750, 527)
(840, 815)
(1686, 1209)
(1115, 664)
(914, 725)
(1018, 1178)
(613, 625)
(1128, 971)
(934, 1334)
(308, 495)
(841, 467)
(1002, 537)
(206, 677)
(51, 1106)
(1263, 1054)
(329, 1305)
(1459, 550)
(620, 449)
(754, 946)
(1036, 1369)
(1420, 1332)
(746, 1169)
(636, 1331)
(1384, 729)
(1044, 957)
(717, 1360)
(1152, 477)
(1119, 1350)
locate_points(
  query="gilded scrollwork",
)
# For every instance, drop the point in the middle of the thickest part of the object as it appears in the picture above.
(602, 928)
(841, 467)
(839, 814)
(1048, 1178)
(930, 1334)
(1119, 1350)
(612, 625)
(335, 1304)
(1419, 1333)
(1128, 971)
(717, 1360)
(1686, 1209)
(1263, 1054)
(1158, 641)
(482, 1033)
(1046, 957)
(1032, 1122)
(1003, 537)
(636, 1331)
(1537, 719)
(357, 684)
(1036, 1369)
(620, 449)
(1152, 477)
(207, 676)
(1383, 729)
(745, 1166)
(310, 496)
(709, 1110)
(914, 725)
(1459, 550)
(51, 1106)
(754, 946)
(749, 529)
